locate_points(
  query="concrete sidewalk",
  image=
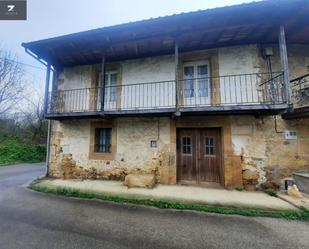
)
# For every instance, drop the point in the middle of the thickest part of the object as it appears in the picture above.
(222, 197)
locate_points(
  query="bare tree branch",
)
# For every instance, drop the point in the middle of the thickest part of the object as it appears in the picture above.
(11, 81)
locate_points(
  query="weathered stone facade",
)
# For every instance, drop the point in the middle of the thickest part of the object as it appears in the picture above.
(267, 157)
(69, 154)
(254, 153)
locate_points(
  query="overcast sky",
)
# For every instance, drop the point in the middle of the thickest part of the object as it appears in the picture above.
(48, 18)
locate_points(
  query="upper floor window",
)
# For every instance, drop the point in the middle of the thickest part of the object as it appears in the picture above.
(196, 79)
(110, 85)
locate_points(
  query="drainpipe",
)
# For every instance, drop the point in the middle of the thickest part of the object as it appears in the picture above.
(48, 147)
(47, 80)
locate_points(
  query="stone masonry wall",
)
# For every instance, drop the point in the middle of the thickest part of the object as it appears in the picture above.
(69, 154)
(267, 157)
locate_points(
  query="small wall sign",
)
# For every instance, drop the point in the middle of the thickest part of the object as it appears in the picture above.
(153, 144)
(290, 135)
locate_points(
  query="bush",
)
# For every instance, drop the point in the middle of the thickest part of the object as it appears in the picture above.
(15, 151)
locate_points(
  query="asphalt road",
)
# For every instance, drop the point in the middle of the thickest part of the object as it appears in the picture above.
(34, 220)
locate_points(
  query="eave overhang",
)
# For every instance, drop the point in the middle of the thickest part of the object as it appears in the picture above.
(253, 23)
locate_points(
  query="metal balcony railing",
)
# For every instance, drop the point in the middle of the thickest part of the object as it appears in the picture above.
(231, 90)
(300, 91)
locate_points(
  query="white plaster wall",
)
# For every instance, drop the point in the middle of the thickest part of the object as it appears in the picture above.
(78, 78)
(234, 61)
(75, 77)
(76, 139)
(296, 57)
(233, 89)
(244, 143)
(154, 69)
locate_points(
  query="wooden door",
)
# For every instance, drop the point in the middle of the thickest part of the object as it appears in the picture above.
(209, 155)
(186, 155)
(199, 155)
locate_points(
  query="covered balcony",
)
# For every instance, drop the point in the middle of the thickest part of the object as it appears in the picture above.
(262, 23)
(258, 92)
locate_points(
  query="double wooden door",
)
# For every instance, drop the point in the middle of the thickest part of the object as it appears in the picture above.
(199, 153)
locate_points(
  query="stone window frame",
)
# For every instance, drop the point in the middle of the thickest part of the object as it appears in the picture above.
(102, 155)
(103, 140)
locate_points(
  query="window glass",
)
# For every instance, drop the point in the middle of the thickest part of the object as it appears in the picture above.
(203, 80)
(209, 146)
(189, 81)
(186, 145)
(110, 84)
(103, 140)
(113, 80)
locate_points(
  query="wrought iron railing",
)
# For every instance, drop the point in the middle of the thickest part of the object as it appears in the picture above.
(230, 90)
(300, 91)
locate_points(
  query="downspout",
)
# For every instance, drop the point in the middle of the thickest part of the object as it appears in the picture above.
(45, 111)
(48, 147)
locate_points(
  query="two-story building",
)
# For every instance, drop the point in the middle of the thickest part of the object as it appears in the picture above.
(202, 98)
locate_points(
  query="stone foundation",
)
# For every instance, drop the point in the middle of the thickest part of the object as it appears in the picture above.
(254, 154)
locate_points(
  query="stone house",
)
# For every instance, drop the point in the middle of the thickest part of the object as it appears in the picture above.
(212, 98)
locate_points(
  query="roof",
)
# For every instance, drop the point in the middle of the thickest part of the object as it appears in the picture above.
(256, 22)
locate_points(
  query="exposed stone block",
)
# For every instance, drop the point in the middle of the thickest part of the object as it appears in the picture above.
(270, 185)
(294, 192)
(250, 187)
(140, 180)
(250, 175)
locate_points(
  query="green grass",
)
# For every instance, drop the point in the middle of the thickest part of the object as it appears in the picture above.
(271, 192)
(14, 151)
(302, 214)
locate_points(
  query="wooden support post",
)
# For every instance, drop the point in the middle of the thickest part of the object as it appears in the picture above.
(177, 112)
(47, 89)
(54, 81)
(284, 64)
(53, 95)
(102, 83)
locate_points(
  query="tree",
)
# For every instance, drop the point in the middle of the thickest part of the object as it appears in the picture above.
(11, 81)
(33, 121)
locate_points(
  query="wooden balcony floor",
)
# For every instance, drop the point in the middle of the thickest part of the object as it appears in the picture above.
(184, 111)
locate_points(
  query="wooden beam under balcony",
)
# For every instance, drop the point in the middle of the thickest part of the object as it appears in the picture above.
(284, 63)
(169, 112)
